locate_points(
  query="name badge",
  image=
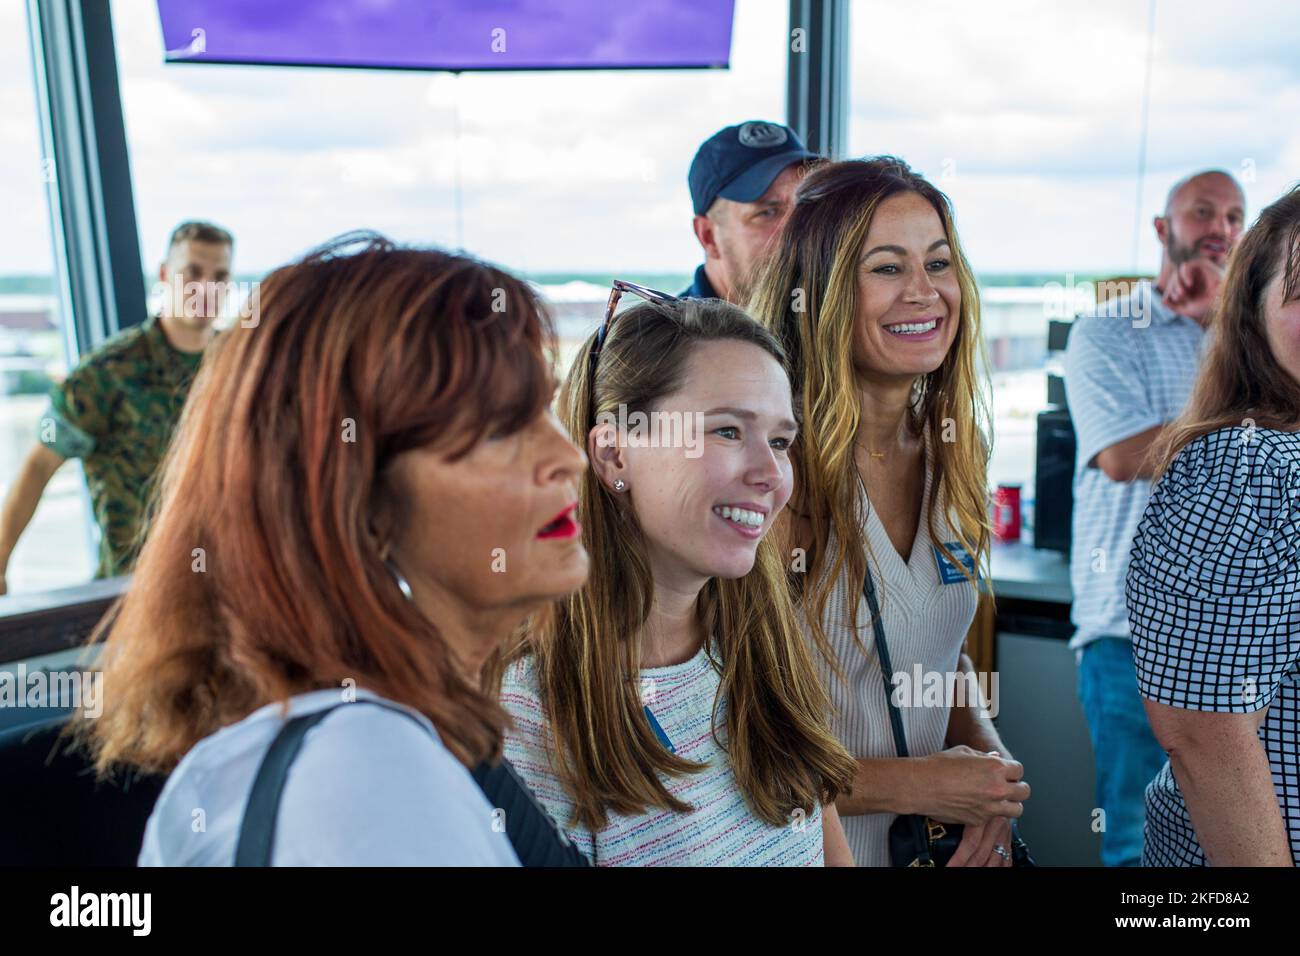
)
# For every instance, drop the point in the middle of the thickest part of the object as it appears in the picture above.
(950, 573)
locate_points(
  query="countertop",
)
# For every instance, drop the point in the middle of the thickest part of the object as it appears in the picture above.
(1019, 571)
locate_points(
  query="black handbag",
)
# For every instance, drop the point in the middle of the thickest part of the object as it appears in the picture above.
(536, 839)
(916, 840)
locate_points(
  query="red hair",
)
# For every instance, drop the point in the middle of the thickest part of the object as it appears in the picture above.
(277, 472)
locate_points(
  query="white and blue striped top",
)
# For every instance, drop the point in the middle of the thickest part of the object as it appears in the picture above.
(1129, 366)
(722, 830)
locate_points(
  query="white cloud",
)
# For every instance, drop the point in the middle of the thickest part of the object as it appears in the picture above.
(1026, 112)
(1036, 107)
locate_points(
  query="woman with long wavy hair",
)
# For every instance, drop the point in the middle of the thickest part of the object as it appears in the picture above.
(367, 493)
(1213, 585)
(877, 309)
(669, 713)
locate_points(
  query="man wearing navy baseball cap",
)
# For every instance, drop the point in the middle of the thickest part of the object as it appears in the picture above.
(742, 186)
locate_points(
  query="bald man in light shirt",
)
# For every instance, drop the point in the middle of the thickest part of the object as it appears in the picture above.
(1129, 369)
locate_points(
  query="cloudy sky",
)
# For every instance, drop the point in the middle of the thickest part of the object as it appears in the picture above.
(1026, 113)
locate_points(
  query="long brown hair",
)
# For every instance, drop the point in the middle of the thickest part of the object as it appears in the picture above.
(587, 655)
(262, 575)
(808, 296)
(1240, 378)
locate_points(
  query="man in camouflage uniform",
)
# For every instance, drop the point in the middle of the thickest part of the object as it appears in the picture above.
(117, 409)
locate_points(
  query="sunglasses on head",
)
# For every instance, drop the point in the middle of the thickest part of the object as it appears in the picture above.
(620, 286)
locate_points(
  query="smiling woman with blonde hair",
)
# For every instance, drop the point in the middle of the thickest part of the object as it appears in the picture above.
(877, 309)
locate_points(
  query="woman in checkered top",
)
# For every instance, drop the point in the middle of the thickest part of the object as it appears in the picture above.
(1214, 582)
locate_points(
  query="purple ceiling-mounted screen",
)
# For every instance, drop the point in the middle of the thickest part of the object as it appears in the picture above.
(451, 34)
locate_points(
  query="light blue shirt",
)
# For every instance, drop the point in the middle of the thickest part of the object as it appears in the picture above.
(369, 787)
(1129, 366)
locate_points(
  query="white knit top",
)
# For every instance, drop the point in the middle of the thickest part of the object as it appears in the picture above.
(721, 830)
(925, 623)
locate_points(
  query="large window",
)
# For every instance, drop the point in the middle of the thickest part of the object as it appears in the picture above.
(569, 178)
(56, 548)
(1030, 116)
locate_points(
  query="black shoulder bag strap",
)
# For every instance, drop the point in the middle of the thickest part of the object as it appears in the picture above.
(257, 830)
(533, 832)
(536, 839)
(895, 718)
(1019, 851)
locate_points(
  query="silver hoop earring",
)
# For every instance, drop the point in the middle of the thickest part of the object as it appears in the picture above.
(402, 584)
(620, 484)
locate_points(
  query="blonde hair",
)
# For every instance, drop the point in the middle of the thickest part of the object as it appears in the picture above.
(808, 296)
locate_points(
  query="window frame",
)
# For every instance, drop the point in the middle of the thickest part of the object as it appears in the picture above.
(98, 266)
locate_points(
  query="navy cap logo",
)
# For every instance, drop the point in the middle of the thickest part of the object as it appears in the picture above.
(762, 135)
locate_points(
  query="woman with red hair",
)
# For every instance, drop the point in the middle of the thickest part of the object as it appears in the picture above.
(368, 492)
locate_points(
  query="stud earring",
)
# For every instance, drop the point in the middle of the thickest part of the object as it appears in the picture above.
(620, 484)
(402, 584)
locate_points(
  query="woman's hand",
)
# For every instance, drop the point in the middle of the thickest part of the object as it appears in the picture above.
(978, 843)
(963, 785)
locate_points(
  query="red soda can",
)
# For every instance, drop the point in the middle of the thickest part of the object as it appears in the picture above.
(1006, 513)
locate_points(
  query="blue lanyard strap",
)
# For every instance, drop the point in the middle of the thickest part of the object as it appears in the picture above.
(659, 731)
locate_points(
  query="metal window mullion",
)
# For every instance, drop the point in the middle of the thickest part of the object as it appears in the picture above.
(91, 201)
(817, 75)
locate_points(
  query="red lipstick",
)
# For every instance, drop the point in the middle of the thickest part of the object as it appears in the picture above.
(563, 525)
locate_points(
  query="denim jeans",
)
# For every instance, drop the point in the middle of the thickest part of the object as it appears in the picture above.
(1125, 751)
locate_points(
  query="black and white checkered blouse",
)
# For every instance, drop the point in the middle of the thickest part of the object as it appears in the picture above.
(1213, 595)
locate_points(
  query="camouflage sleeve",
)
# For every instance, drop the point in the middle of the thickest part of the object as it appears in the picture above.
(77, 415)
